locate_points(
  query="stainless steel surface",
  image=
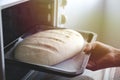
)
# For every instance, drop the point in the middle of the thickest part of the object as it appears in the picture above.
(36, 75)
(5, 4)
(8, 3)
(82, 78)
(117, 74)
(2, 65)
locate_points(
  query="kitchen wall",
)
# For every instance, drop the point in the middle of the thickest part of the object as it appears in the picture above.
(111, 28)
(99, 16)
(84, 14)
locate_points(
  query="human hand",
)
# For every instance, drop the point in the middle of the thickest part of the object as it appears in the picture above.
(102, 56)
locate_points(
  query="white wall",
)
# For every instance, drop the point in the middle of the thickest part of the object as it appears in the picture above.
(111, 29)
(99, 16)
(84, 14)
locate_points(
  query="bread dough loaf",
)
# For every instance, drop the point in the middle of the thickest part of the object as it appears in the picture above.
(49, 47)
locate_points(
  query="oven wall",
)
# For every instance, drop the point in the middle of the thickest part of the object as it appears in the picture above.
(17, 20)
(43, 12)
(20, 18)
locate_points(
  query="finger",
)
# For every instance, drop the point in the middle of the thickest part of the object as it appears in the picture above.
(91, 66)
(88, 47)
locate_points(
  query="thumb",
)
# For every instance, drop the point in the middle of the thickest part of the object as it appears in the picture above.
(87, 48)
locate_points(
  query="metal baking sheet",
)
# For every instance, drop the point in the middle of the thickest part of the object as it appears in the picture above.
(70, 67)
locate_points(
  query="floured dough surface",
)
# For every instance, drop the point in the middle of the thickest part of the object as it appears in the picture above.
(49, 47)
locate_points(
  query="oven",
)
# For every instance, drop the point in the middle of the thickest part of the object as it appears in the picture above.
(24, 19)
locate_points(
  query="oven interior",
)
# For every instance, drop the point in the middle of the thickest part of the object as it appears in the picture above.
(18, 20)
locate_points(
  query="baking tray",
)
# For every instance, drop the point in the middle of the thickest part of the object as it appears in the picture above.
(69, 68)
